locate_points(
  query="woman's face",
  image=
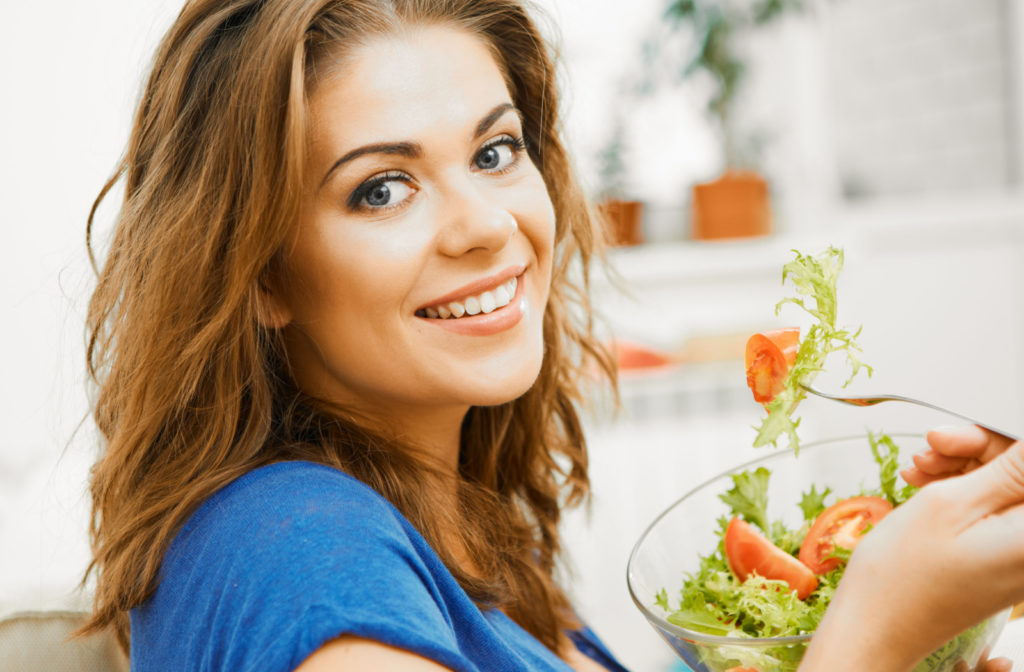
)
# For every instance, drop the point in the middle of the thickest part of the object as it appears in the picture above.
(419, 272)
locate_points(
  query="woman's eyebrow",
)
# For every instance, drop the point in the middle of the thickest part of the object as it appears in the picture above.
(414, 150)
(492, 117)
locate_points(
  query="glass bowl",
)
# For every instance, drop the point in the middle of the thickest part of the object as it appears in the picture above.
(672, 545)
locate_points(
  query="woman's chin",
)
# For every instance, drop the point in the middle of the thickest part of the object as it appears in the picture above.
(496, 392)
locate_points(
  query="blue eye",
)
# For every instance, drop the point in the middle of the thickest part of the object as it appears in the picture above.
(378, 196)
(500, 155)
(383, 192)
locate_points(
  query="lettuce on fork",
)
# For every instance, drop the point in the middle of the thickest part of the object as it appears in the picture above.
(814, 277)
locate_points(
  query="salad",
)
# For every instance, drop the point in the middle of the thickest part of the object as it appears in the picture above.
(768, 579)
(763, 588)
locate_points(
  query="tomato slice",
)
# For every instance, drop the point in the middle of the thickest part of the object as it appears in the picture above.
(742, 669)
(748, 551)
(768, 359)
(843, 524)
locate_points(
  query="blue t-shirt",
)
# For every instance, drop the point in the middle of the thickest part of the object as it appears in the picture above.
(292, 555)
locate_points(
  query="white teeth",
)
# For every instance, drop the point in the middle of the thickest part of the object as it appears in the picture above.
(501, 296)
(487, 303)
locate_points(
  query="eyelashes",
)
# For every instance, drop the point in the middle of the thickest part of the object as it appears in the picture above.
(517, 145)
(393, 188)
(377, 188)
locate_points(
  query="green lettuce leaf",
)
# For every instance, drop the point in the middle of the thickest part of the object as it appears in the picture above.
(748, 497)
(787, 538)
(661, 599)
(888, 467)
(704, 618)
(812, 502)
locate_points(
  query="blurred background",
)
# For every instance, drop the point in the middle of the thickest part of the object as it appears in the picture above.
(717, 136)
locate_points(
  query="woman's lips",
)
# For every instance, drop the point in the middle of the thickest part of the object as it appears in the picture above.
(484, 302)
(484, 323)
(476, 288)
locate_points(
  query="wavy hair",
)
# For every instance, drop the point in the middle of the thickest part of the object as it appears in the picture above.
(192, 392)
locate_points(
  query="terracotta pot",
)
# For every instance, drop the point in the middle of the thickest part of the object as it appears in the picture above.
(733, 206)
(623, 221)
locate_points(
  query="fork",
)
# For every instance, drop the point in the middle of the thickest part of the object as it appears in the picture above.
(879, 398)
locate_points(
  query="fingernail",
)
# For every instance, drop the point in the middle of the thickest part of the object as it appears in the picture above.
(966, 431)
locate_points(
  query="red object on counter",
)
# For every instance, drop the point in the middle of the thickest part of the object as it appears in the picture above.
(636, 356)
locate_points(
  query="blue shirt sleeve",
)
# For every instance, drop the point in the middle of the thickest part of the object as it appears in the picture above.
(282, 561)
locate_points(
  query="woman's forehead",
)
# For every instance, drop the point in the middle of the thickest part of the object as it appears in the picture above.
(403, 83)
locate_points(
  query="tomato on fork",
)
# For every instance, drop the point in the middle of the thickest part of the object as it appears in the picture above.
(768, 359)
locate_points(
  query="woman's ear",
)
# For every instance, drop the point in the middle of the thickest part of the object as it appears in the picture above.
(272, 311)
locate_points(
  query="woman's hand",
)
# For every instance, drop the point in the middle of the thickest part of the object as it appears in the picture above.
(948, 558)
(954, 451)
(987, 665)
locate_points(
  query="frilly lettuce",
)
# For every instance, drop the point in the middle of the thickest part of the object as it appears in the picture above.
(749, 497)
(815, 279)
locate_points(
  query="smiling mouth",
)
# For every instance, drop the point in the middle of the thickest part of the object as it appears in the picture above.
(476, 304)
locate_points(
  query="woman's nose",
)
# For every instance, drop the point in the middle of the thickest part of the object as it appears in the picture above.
(472, 219)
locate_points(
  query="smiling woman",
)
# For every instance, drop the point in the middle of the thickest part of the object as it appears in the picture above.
(344, 420)
(339, 341)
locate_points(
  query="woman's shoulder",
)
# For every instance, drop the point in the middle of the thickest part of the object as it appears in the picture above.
(295, 517)
(293, 498)
(282, 560)
(298, 481)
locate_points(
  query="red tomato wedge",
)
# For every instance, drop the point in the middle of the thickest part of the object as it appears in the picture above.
(768, 359)
(742, 669)
(748, 551)
(843, 524)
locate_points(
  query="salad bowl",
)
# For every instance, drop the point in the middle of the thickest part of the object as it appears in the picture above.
(674, 544)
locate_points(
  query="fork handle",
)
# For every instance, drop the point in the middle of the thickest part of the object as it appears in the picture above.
(877, 399)
(896, 397)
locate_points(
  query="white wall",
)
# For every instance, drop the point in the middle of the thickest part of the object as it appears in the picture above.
(69, 75)
(668, 140)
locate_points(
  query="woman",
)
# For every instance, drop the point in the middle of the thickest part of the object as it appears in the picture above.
(339, 338)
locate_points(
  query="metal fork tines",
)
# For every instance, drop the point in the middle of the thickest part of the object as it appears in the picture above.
(879, 398)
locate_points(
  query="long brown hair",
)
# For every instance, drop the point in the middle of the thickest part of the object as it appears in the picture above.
(193, 392)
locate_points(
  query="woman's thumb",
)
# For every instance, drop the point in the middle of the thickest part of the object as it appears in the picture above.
(996, 485)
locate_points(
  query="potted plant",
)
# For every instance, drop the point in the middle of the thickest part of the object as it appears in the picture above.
(737, 203)
(622, 216)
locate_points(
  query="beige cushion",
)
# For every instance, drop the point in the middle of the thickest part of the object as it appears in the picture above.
(40, 641)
